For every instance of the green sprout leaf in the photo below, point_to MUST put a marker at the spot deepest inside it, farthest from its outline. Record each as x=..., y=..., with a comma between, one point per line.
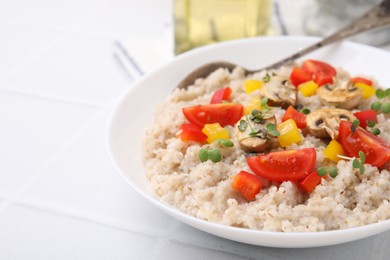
x=242, y=126
x=361, y=169
x=376, y=106
x=356, y=163
x=271, y=129
x=321, y=171
x=266, y=78
x=362, y=157
x=355, y=124
x=333, y=172
x=203, y=155
x=264, y=102
x=306, y=111
x=386, y=108
x=371, y=123
x=226, y=142
x=380, y=93
x=214, y=155
x=375, y=131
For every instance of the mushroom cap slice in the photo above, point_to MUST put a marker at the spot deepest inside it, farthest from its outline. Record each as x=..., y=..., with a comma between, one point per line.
x=342, y=95
x=280, y=92
x=251, y=143
x=324, y=122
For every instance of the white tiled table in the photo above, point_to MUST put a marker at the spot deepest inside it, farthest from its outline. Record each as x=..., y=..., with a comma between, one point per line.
x=60, y=197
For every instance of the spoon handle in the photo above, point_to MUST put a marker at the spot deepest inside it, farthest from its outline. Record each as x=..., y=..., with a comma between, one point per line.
x=377, y=17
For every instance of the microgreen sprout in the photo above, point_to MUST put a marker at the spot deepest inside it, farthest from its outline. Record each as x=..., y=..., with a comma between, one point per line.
x=383, y=105
x=357, y=163
x=266, y=78
x=210, y=154
x=257, y=117
x=332, y=171
x=264, y=102
x=264, y=106
x=355, y=125
x=226, y=142
x=371, y=123
x=375, y=131
x=302, y=109
x=271, y=130
x=243, y=125
x=305, y=111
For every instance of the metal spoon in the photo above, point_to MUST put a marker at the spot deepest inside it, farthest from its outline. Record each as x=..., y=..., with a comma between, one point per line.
x=377, y=17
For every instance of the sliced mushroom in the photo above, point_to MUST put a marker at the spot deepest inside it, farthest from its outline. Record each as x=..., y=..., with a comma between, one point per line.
x=280, y=92
x=253, y=136
x=325, y=122
x=342, y=95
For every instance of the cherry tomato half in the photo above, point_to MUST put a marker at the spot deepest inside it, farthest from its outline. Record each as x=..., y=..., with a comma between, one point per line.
x=286, y=165
x=366, y=116
x=223, y=113
x=377, y=150
x=299, y=118
x=298, y=76
x=321, y=72
x=220, y=95
x=247, y=184
x=192, y=132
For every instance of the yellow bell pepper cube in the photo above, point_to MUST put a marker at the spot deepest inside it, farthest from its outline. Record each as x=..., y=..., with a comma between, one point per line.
x=308, y=88
x=367, y=90
x=214, y=132
x=251, y=85
x=289, y=133
x=254, y=103
x=333, y=149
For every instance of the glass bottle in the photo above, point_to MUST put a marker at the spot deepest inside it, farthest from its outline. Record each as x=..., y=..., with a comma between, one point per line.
x=201, y=22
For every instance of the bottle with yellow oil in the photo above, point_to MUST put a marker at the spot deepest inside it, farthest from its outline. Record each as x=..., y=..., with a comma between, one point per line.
x=201, y=22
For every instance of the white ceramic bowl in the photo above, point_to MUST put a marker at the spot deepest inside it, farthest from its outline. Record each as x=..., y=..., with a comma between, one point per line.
x=134, y=112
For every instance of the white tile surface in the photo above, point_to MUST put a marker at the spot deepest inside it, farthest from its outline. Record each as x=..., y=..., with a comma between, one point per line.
x=30, y=234
x=46, y=12
x=21, y=43
x=79, y=67
x=114, y=20
x=361, y=249
x=32, y=129
x=82, y=181
x=178, y=250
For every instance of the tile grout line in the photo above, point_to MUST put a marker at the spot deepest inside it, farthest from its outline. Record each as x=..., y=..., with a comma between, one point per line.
x=162, y=239
x=51, y=43
x=14, y=196
x=42, y=95
x=85, y=216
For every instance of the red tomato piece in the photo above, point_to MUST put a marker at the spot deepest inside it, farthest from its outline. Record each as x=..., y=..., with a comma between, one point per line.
x=310, y=182
x=223, y=113
x=361, y=80
x=299, y=76
x=366, y=116
x=286, y=165
x=192, y=132
x=377, y=150
x=220, y=95
x=322, y=72
x=299, y=118
x=247, y=184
